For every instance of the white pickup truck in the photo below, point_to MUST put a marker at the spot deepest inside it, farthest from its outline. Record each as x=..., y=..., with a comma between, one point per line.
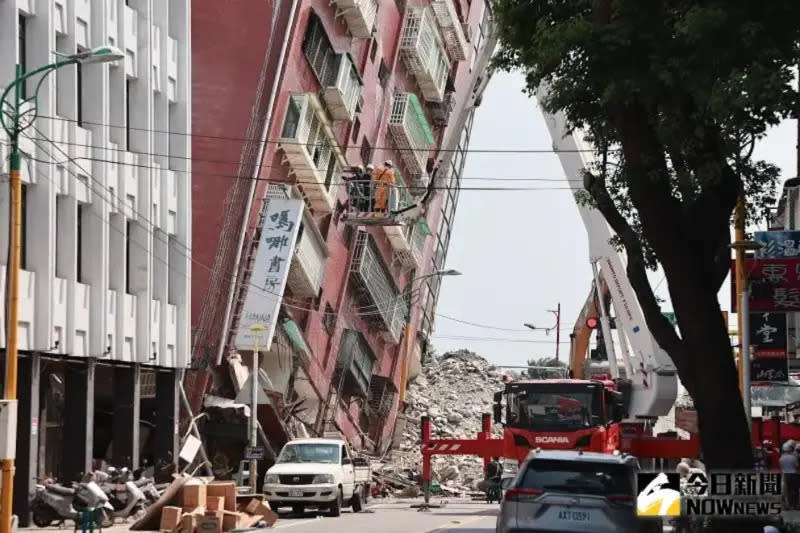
x=321, y=473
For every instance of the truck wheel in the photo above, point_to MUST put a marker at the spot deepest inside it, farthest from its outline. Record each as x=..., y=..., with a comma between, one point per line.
x=298, y=509
x=336, y=507
x=356, y=501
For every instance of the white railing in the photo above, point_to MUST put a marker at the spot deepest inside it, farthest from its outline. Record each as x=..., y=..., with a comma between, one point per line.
x=424, y=54
x=342, y=88
x=360, y=16
x=309, y=258
x=410, y=131
x=453, y=33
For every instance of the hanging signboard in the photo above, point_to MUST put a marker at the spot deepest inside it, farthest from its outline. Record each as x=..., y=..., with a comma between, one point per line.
x=768, y=334
x=769, y=369
x=778, y=244
x=268, y=279
x=774, y=285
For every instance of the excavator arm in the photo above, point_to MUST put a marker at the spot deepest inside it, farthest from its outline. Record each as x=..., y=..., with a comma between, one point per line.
x=582, y=333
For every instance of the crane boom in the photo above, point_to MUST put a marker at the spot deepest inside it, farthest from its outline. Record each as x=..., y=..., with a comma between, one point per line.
x=654, y=377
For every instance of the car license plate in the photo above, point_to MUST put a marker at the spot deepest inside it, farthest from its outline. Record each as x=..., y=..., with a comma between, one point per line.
x=574, y=516
x=295, y=493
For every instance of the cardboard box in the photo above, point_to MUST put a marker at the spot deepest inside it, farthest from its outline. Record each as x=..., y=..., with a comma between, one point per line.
x=189, y=523
x=194, y=495
x=252, y=506
x=265, y=511
x=232, y=520
x=226, y=489
x=215, y=503
x=170, y=518
x=211, y=522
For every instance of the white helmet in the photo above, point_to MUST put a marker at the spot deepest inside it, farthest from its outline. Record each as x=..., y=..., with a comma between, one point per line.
x=683, y=468
x=370, y=167
x=388, y=163
x=788, y=446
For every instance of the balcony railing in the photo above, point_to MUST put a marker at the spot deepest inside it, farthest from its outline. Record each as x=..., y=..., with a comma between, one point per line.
x=360, y=16
x=355, y=363
x=375, y=289
x=397, y=234
x=308, y=263
x=424, y=54
x=453, y=33
x=382, y=393
x=342, y=88
x=310, y=148
x=410, y=130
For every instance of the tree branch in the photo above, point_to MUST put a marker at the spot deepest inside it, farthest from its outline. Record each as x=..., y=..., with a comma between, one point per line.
x=659, y=326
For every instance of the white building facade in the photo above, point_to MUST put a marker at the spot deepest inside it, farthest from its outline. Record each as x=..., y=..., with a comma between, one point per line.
x=105, y=281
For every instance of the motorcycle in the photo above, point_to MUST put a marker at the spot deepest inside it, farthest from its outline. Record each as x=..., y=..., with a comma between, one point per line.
x=125, y=496
x=494, y=491
x=53, y=502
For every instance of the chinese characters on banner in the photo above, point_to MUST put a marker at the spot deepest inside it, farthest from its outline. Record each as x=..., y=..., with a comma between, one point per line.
x=778, y=244
x=271, y=268
x=774, y=285
x=768, y=334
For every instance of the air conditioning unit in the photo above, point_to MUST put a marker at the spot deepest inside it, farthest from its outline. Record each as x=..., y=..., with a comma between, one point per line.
x=467, y=29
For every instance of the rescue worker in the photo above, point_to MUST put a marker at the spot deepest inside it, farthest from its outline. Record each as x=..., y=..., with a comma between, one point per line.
x=382, y=179
x=494, y=474
x=789, y=465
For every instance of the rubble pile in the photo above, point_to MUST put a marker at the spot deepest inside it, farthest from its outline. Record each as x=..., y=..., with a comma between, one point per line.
x=454, y=389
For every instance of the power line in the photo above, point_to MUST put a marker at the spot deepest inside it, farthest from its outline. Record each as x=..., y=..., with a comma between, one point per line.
x=493, y=339
x=293, y=182
x=229, y=162
x=282, y=141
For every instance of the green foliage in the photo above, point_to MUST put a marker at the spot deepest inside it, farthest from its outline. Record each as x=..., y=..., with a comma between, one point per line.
x=706, y=78
x=559, y=368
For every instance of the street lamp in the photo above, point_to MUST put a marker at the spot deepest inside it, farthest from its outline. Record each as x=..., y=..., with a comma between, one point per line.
x=11, y=118
x=557, y=327
x=743, y=290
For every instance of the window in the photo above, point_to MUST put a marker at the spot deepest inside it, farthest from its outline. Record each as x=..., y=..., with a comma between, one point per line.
x=23, y=56
x=318, y=50
x=373, y=50
x=329, y=319
x=128, y=257
x=383, y=74
x=80, y=242
x=356, y=129
x=292, y=120
x=23, y=237
x=127, y=114
x=366, y=152
x=584, y=477
x=79, y=93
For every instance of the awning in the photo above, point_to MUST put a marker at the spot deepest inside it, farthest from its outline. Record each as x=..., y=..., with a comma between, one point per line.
x=296, y=337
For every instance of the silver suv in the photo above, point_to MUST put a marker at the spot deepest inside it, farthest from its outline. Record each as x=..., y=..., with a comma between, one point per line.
x=573, y=492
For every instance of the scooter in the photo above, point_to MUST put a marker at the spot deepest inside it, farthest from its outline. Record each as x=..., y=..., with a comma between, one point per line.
x=56, y=503
x=125, y=496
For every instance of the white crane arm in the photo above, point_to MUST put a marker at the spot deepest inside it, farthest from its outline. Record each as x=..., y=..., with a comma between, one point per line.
x=654, y=378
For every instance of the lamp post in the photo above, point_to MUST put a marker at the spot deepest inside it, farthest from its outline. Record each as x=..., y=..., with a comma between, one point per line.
x=407, y=363
x=15, y=120
x=257, y=330
x=741, y=246
x=557, y=327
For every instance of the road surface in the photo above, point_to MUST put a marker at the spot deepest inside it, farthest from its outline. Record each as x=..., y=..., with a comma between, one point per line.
x=396, y=517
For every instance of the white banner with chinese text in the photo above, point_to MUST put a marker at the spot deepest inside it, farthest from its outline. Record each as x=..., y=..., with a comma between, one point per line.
x=271, y=268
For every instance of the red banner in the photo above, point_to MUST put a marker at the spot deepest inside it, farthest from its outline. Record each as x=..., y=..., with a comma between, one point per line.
x=774, y=284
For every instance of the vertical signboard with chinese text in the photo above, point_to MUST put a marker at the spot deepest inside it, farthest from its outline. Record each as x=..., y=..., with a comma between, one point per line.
x=768, y=337
x=774, y=285
x=267, y=282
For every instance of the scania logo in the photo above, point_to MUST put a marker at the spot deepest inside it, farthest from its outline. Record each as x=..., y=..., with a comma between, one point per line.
x=552, y=440
x=296, y=478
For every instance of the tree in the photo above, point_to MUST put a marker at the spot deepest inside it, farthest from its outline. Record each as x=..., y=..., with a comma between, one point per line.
x=558, y=368
x=673, y=94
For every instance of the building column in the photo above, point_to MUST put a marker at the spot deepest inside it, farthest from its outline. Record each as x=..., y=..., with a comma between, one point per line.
x=125, y=420
x=27, y=437
x=76, y=458
x=166, y=431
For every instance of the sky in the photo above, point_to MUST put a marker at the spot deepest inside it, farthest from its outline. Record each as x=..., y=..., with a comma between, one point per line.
x=522, y=253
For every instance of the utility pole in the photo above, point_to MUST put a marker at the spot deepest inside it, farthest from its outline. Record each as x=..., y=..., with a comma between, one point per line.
x=558, y=329
x=257, y=330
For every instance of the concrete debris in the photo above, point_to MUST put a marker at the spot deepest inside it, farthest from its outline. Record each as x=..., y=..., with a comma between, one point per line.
x=454, y=389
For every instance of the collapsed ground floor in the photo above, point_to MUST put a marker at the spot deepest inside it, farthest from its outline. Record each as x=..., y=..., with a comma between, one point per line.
x=79, y=414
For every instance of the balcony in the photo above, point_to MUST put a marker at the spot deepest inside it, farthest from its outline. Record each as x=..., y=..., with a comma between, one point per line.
x=359, y=15
x=453, y=33
x=382, y=393
x=342, y=88
x=410, y=131
x=424, y=54
x=309, y=147
x=354, y=364
x=397, y=234
x=374, y=286
x=308, y=263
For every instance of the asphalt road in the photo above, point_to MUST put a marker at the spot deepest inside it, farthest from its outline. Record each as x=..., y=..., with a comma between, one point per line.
x=397, y=517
